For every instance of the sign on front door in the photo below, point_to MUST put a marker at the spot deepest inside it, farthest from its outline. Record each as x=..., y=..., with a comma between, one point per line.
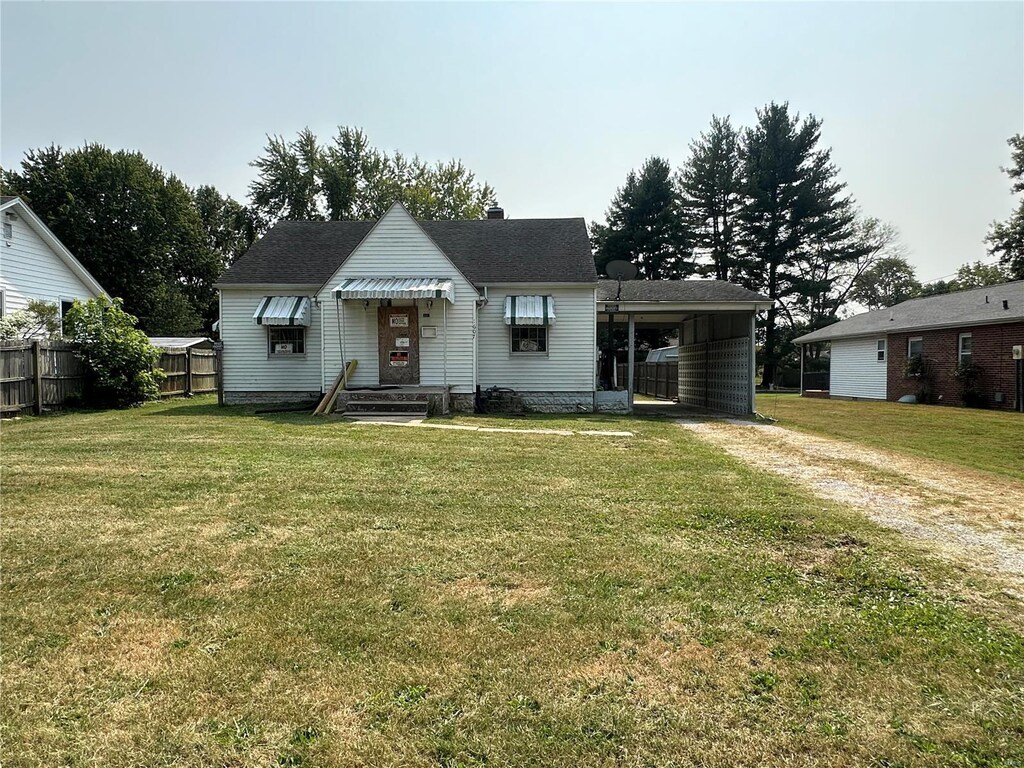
x=398, y=345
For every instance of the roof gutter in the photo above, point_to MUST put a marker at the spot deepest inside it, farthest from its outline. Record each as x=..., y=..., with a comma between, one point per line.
x=266, y=286
x=910, y=329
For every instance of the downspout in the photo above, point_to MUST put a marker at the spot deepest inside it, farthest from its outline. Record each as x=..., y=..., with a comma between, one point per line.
x=444, y=324
x=323, y=364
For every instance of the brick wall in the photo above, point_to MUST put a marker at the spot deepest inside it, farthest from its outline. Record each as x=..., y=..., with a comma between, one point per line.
x=992, y=346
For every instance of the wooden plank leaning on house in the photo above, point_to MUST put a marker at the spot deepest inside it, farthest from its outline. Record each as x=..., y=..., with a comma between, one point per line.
x=326, y=404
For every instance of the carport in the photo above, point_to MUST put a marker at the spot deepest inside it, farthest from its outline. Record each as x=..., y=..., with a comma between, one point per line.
x=715, y=323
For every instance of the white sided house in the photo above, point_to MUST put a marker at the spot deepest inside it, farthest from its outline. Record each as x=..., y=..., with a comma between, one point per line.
x=449, y=309
x=34, y=264
x=441, y=305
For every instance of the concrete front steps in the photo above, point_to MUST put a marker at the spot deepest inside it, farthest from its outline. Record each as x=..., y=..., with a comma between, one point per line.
x=404, y=401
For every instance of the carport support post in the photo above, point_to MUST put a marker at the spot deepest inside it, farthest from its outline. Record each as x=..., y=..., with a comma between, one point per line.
x=801, y=369
x=753, y=363
x=632, y=356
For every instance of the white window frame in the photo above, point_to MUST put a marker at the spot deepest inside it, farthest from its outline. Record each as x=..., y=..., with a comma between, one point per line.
x=61, y=300
x=910, y=343
x=881, y=350
x=960, y=354
x=522, y=353
x=270, y=341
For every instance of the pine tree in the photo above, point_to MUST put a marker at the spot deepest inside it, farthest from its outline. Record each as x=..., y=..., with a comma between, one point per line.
x=1006, y=239
x=793, y=211
x=645, y=226
x=710, y=187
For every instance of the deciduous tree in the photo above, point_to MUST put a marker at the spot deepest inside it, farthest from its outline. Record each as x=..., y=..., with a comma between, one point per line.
x=888, y=281
x=305, y=180
x=134, y=227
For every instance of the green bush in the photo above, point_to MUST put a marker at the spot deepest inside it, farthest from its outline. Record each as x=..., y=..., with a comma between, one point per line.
x=40, y=319
x=120, y=358
x=968, y=378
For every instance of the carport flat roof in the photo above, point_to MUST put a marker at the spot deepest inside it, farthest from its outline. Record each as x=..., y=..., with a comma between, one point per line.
x=696, y=292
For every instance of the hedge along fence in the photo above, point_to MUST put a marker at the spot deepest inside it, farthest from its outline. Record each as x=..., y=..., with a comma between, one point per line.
x=43, y=375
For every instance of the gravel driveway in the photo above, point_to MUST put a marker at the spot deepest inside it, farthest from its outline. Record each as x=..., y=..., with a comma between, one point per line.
x=967, y=516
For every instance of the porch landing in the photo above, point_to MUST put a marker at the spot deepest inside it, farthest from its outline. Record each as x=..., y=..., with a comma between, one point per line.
x=394, y=401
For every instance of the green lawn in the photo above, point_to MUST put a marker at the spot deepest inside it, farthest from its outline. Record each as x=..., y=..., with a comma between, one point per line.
x=191, y=586
x=987, y=440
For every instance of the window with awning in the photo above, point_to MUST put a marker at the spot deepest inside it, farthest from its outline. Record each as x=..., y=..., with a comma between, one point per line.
x=529, y=310
x=396, y=288
x=283, y=310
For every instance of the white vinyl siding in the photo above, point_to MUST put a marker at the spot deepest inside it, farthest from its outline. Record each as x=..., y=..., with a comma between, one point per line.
x=29, y=270
x=569, y=363
x=248, y=366
x=398, y=247
x=856, y=370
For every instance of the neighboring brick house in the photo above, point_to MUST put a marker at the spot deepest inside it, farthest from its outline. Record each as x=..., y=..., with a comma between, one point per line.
x=870, y=352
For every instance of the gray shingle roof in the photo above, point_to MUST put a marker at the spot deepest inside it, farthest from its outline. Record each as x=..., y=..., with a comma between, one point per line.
x=485, y=251
x=675, y=290
x=6, y=198
x=977, y=306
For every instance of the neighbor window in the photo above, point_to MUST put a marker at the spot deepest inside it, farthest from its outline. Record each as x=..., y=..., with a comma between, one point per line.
x=528, y=338
x=965, y=348
x=915, y=346
x=286, y=340
x=881, y=350
x=65, y=307
x=3, y=303
x=8, y=230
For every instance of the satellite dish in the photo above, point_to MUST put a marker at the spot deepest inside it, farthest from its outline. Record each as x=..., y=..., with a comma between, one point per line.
x=620, y=269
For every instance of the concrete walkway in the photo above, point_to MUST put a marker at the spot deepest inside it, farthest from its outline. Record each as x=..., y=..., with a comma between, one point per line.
x=415, y=421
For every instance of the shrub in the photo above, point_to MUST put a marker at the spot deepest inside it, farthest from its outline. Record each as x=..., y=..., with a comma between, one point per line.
x=120, y=358
x=968, y=377
x=920, y=368
x=40, y=319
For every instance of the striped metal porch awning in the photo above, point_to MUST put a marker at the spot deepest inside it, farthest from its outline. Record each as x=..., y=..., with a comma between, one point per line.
x=529, y=310
x=396, y=288
x=283, y=310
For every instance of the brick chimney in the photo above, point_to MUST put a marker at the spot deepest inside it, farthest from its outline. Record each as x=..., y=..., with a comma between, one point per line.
x=495, y=212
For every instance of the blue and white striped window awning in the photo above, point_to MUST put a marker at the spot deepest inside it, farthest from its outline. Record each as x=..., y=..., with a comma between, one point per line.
x=283, y=310
x=396, y=288
x=529, y=310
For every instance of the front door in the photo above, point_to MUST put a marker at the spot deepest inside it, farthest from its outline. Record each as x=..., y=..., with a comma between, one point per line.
x=398, y=345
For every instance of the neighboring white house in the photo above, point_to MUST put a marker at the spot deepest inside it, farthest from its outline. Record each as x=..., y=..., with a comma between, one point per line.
x=34, y=264
x=459, y=307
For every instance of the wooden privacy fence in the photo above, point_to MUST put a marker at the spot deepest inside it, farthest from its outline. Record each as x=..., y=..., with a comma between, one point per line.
x=189, y=371
x=659, y=380
x=40, y=375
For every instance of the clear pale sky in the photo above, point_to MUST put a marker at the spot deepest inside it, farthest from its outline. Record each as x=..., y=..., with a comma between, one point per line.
x=551, y=103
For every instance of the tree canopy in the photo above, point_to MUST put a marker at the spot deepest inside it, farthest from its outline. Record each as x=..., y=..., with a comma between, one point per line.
x=160, y=246
x=309, y=180
x=134, y=227
x=1006, y=239
x=710, y=187
x=645, y=225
